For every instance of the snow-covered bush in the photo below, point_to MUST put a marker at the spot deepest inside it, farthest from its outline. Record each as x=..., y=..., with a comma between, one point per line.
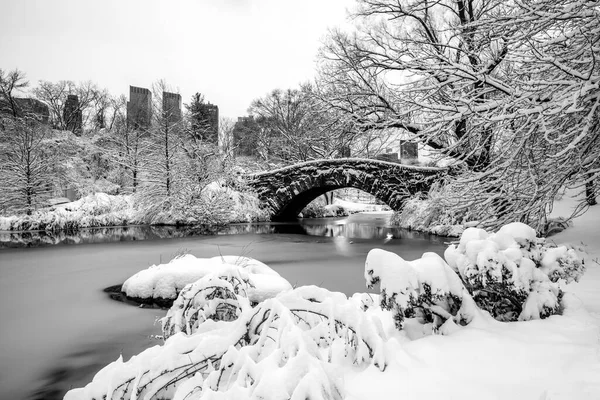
x=213, y=204
x=426, y=289
x=431, y=213
x=219, y=296
x=512, y=273
x=290, y=346
x=243, y=202
x=318, y=210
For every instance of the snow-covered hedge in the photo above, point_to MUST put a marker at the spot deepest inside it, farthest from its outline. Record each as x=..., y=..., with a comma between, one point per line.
x=512, y=273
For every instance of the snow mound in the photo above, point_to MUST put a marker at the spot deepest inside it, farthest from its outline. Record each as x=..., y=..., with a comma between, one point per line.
x=165, y=281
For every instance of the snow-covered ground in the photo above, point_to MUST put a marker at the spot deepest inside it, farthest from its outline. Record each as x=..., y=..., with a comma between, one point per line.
x=359, y=207
x=348, y=348
x=584, y=231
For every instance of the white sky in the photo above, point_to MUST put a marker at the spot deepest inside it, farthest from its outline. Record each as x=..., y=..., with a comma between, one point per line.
x=232, y=51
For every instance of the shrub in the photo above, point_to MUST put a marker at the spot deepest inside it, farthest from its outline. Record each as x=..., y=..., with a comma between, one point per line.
x=513, y=274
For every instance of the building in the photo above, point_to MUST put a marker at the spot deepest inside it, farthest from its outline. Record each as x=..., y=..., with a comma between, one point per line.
x=210, y=116
x=409, y=150
x=406, y=152
x=72, y=114
x=244, y=136
x=139, y=108
x=171, y=106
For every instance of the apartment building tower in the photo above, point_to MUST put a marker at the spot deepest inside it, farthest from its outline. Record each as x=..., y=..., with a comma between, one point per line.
x=139, y=108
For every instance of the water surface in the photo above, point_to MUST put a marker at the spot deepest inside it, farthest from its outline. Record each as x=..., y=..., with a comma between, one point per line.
x=58, y=327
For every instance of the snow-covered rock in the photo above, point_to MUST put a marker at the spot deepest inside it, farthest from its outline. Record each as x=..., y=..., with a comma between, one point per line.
x=165, y=281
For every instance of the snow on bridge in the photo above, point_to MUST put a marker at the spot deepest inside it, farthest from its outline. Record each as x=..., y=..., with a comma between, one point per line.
x=286, y=191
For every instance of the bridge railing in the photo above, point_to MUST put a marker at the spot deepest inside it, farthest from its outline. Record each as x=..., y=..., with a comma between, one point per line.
x=333, y=161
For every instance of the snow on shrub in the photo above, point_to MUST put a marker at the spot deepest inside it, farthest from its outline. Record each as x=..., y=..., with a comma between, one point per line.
x=165, y=281
x=513, y=274
x=220, y=296
x=426, y=289
x=243, y=205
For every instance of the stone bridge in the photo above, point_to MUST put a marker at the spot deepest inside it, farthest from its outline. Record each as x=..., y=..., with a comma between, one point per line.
x=286, y=191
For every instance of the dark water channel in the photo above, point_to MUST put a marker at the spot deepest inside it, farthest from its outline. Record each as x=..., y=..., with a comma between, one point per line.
x=58, y=327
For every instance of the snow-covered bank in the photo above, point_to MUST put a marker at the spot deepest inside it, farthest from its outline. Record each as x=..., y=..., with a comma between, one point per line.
x=95, y=210
x=215, y=205
x=423, y=337
x=339, y=208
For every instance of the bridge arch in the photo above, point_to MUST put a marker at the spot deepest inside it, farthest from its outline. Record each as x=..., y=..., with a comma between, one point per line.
x=286, y=191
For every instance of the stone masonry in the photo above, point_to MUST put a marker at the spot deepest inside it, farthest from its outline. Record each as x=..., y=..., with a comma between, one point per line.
x=288, y=190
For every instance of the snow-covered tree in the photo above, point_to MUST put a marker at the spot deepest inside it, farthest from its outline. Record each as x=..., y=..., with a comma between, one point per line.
x=25, y=165
x=293, y=126
x=55, y=95
x=510, y=89
x=162, y=177
x=128, y=146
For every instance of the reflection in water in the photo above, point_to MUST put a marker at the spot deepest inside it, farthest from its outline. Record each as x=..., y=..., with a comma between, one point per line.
x=367, y=226
x=99, y=235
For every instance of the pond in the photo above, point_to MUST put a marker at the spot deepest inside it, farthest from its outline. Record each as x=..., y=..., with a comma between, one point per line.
x=58, y=327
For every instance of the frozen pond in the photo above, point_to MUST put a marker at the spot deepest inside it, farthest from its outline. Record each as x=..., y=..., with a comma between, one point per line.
x=58, y=327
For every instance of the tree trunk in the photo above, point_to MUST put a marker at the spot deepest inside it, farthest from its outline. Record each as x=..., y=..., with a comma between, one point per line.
x=590, y=195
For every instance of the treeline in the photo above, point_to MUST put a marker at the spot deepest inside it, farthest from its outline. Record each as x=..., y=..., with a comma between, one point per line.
x=95, y=147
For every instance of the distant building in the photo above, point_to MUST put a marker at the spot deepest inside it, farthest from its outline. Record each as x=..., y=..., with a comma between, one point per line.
x=139, y=108
x=72, y=115
x=171, y=104
x=210, y=116
x=344, y=151
x=409, y=150
x=244, y=136
x=391, y=157
x=26, y=107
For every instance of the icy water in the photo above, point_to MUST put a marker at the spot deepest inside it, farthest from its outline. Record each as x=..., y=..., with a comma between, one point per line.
x=58, y=327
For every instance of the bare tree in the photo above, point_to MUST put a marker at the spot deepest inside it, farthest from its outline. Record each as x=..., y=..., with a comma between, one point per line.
x=25, y=168
x=10, y=83
x=162, y=175
x=129, y=144
x=292, y=126
x=55, y=95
